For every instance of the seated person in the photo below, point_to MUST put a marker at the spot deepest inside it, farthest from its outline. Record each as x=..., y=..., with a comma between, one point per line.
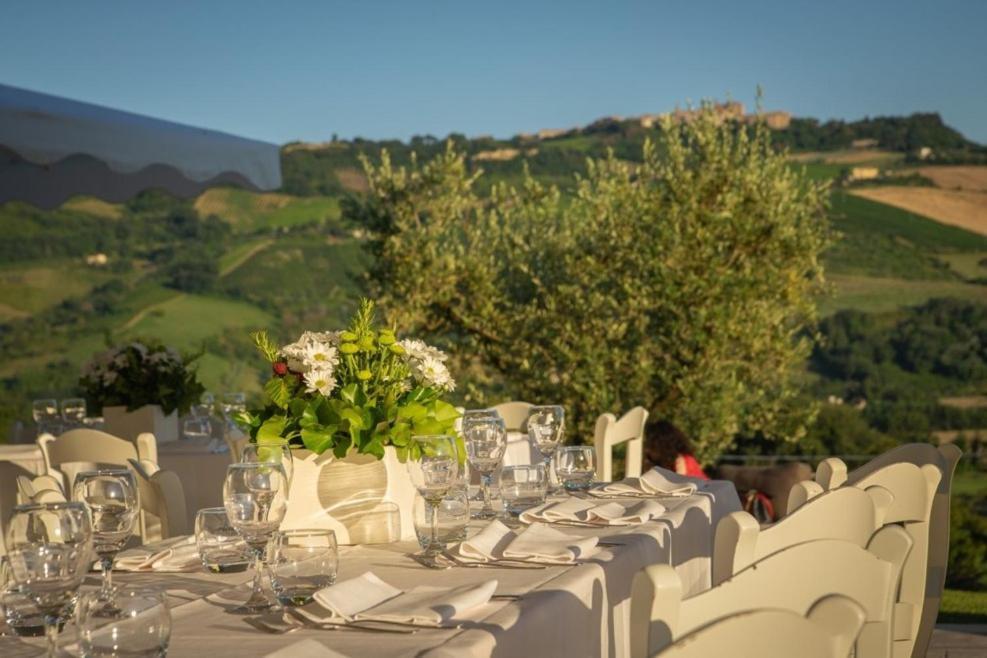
x=667, y=446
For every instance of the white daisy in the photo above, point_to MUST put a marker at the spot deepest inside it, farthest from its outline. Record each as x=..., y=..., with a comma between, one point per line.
x=320, y=356
x=320, y=381
x=432, y=372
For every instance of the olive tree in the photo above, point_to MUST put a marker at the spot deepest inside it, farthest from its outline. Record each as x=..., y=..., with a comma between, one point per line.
x=685, y=283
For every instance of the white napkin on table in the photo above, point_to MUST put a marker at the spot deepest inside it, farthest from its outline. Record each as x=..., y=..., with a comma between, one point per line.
x=305, y=649
x=536, y=543
x=656, y=482
x=577, y=510
x=174, y=555
x=369, y=598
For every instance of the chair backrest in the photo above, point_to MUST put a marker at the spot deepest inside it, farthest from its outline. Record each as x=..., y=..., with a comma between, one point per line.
x=925, y=574
x=792, y=579
x=515, y=415
x=10, y=473
x=610, y=432
x=162, y=496
x=827, y=631
x=848, y=514
x=87, y=445
x=39, y=489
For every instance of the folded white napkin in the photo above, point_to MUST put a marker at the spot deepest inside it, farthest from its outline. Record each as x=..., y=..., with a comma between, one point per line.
x=536, y=543
x=656, y=482
x=587, y=512
x=173, y=555
x=367, y=597
x=305, y=649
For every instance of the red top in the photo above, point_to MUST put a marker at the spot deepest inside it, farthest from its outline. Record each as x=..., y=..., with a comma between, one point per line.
x=687, y=465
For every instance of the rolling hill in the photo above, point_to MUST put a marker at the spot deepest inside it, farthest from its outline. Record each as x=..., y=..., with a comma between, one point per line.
x=287, y=261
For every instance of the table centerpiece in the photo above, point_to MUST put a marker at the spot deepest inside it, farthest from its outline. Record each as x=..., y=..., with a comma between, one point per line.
x=141, y=387
x=347, y=403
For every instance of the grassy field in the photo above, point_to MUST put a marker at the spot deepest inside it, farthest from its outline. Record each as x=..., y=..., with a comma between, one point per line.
x=186, y=320
x=250, y=211
x=971, y=265
x=32, y=287
x=879, y=294
x=962, y=607
x=961, y=208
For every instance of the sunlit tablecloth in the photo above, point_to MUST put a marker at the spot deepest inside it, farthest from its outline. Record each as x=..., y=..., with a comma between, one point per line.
x=565, y=611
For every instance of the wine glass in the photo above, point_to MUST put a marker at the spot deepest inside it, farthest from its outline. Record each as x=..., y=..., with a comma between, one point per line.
x=486, y=441
x=303, y=562
x=546, y=428
x=112, y=499
x=255, y=497
x=49, y=546
x=273, y=453
x=575, y=466
x=45, y=414
x=522, y=487
x=74, y=411
x=141, y=625
x=468, y=417
x=203, y=408
x=433, y=474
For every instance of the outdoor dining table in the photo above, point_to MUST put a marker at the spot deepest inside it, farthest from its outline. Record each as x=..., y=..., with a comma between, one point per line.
x=569, y=610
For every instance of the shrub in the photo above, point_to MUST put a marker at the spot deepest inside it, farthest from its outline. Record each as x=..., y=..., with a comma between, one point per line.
x=684, y=283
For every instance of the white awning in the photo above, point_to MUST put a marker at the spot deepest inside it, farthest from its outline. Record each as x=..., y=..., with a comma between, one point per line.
x=52, y=148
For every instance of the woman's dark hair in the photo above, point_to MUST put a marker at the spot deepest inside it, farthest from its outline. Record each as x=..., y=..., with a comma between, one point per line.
x=663, y=442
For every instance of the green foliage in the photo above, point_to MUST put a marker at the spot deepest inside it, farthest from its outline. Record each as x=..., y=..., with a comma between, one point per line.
x=894, y=133
x=141, y=373
x=359, y=389
x=684, y=283
x=967, y=544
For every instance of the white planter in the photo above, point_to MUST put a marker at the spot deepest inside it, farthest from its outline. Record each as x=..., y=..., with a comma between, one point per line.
x=362, y=499
x=149, y=418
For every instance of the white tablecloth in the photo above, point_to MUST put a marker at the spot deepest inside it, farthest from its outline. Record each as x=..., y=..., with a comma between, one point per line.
x=565, y=611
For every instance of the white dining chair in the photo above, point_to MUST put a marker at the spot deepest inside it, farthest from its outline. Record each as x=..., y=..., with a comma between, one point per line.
x=848, y=514
x=82, y=449
x=792, y=579
x=826, y=631
x=515, y=414
x=923, y=578
x=162, y=498
x=39, y=489
x=611, y=431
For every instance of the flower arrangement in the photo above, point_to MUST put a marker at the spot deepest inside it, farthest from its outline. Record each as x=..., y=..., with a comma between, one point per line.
x=360, y=389
x=141, y=373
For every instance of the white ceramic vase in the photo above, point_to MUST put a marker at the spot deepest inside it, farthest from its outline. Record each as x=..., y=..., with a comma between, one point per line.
x=149, y=418
x=362, y=499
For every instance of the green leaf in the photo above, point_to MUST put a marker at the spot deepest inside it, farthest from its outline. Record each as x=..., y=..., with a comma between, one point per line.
x=444, y=412
x=271, y=430
x=349, y=393
x=278, y=391
x=341, y=447
x=318, y=441
x=413, y=412
x=265, y=345
x=374, y=447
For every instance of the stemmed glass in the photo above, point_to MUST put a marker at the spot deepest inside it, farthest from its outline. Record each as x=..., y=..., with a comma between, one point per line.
x=546, y=428
x=433, y=474
x=74, y=412
x=45, y=414
x=49, y=546
x=112, y=499
x=486, y=441
x=272, y=453
x=255, y=495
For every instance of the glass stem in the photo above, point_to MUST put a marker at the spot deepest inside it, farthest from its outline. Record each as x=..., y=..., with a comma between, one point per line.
x=434, y=520
x=258, y=585
x=106, y=565
x=485, y=479
x=51, y=636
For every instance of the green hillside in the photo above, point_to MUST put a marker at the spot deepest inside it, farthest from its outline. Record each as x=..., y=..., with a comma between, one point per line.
x=201, y=274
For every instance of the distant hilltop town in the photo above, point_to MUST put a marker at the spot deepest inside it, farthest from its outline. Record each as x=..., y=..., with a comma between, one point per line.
x=728, y=111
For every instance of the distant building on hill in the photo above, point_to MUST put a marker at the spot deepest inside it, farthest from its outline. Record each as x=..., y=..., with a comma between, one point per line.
x=97, y=260
x=863, y=173
x=549, y=133
x=868, y=143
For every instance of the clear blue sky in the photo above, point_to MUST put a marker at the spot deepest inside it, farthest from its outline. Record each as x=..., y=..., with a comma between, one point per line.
x=281, y=70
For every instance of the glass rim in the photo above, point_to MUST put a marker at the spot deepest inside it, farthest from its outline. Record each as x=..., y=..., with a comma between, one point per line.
x=117, y=470
x=540, y=407
x=522, y=467
x=210, y=510
x=306, y=532
x=432, y=437
x=575, y=448
x=50, y=507
x=244, y=465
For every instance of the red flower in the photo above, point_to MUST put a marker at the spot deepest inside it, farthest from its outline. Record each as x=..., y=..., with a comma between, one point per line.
x=280, y=368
